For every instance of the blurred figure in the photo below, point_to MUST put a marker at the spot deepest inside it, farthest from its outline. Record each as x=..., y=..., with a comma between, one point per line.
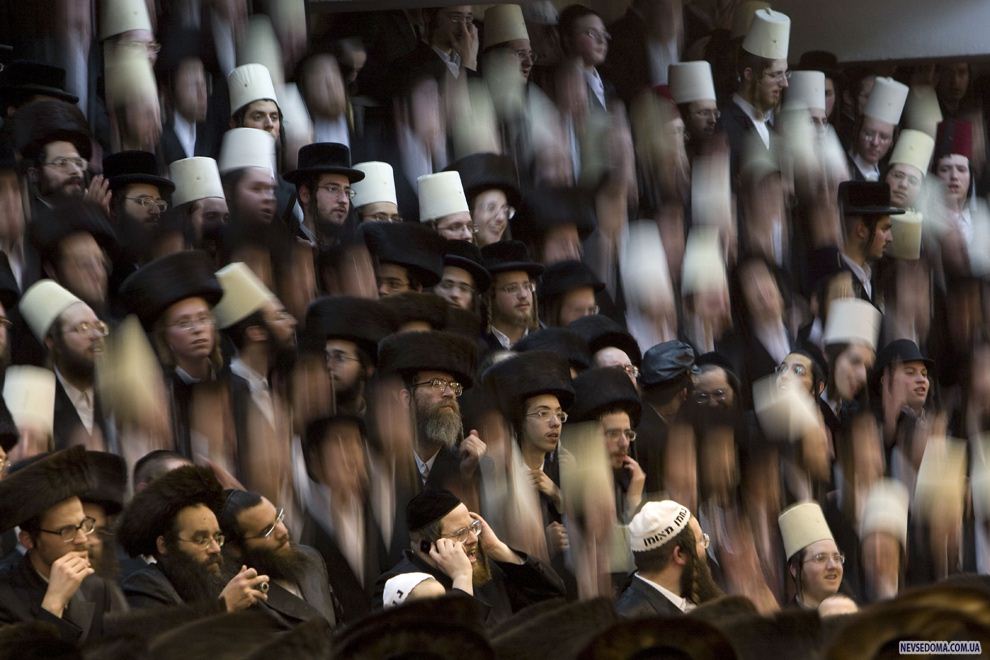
x=875, y=129
x=585, y=42
x=505, y=28
x=567, y=292
x=465, y=279
x=490, y=184
x=884, y=534
x=866, y=211
x=185, y=133
x=102, y=503
x=693, y=90
x=247, y=170
x=199, y=200
x=326, y=99
x=953, y=86
x=647, y=39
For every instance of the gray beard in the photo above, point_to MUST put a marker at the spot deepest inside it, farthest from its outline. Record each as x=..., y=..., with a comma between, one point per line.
x=443, y=427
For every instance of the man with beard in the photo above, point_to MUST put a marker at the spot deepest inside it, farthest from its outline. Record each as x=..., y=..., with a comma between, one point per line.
x=73, y=335
x=257, y=536
x=200, y=201
x=511, y=300
x=323, y=180
x=672, y=575
x=247, y=170
x=460, y=550
x=693, y=90
x=173, y=522
x=102, y=503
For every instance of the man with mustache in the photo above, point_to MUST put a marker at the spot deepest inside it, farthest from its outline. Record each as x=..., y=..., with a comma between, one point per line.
x=323, y=182
x=672, y=575
x=510, y=302
x=257, y=536
x=173, y=521
x=460, y=550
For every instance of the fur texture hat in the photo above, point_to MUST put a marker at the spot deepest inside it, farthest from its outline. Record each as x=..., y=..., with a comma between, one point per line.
x=34, y=489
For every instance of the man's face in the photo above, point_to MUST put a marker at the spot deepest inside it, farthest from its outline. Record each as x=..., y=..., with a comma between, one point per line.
x=523, y=49
x=953, y=170
x=954, y=81
x=141, y=203
x=910, y=383
x=905, y=184
x=610, y=356
x=195, y=529
x=771, y=85
x=189, y=329
x=451, y=25
x=796, y=371
x=829, y=97
x=80, y=339
x=882, y=237
x=515, y=305
x=343, y=364
x=94, y=542
x=590, y=40
x=392, y=278
x=760, y=292
x=437, y=409
x=577, y=303
x=874, y=140
x=208, y=215
x=62, y=172
x=380, y=212
x=711, y=388
x=190, y=90
x=255, y=521
x=851, y=368
x=263, y=115
x=333, y=200
x=701, y=119
x=343, y=465
x=281, y=324
x=457, y=524
x=254, y=196
x=561, y=244
x=542, y=434
x=491, y=214
x=617, y=428
x=456, y=287
x=82, y=268
x=11, y=206
x=820, y=579
x=456, y=226
x=50, y=547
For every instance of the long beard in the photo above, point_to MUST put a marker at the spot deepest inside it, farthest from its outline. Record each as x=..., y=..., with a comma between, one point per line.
x=193, y=581
x=78, y=368
x=286, y=565
x=481, y=572
x=443, y=426
x=697, y=583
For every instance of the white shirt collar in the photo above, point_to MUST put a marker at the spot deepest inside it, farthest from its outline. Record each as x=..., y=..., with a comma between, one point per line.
x=869, y=172
x=680, y=602
x=863, y=274
x=185, y=131
x=453, y=60
x=759, y=121
x=254, y=379
x=82, y=401
x=424, y=467
x=503, y=338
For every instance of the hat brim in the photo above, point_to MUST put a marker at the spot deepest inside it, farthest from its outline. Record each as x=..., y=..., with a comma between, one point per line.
x=44, y=90
x=872, y=210
x=122, y=180
x=297, y=176
x=532, y=268
x=482, y=278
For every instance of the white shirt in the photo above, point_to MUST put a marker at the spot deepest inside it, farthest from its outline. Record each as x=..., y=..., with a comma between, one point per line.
x=869, y=172
x=759, y=121
x=185, y=131
x=863, y=274
x=662, y=55
x=503, y=338
x=424, y=467
x=680, y=602
x=774, y=338
x=261, y=393
x=82, y=401
x=595, y=84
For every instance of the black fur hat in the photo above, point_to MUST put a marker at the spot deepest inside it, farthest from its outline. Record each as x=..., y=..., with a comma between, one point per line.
x=413, y=306
x=150, y=291
x=32, y=490
x=604, y=388
x=110, y=476
x=527, y=375
x=360, y=320
x=409, y=352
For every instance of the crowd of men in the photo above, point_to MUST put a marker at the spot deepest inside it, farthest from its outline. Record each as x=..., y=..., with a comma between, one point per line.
x=520, y=331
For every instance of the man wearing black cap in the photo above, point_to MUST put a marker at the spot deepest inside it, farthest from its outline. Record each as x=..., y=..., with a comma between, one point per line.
x=465, y=279
x=866, y=212
x=460, y=550
x=665, y=379
x=609, y=343
x=567, y=292
x=408, y=257
x=139, y=192
x=902, y=377
x=26, y=80
x=323, y=181
x=511, y=301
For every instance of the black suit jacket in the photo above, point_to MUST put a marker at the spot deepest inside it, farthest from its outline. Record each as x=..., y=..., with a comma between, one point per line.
x=170, y=149
x=738, y=129
x=628, y=61
x=651, y=442
x=69, y=427
x=642, y=600
x=22, y=590
x=316, y=600
x=149, y=587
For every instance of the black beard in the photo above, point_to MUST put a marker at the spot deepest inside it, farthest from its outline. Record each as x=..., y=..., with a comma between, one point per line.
x=193, y=581
x=442, y=427
x=288, y=565
x=77, y=368
x=706, y=587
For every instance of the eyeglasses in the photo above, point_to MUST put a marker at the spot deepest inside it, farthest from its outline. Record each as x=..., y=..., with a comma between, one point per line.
x=631, y=370
x=517, y=288
x=616, y=434
x=150, y=203
x=597, y=35
x=457, y=228
x=715, y=395
x=544, y=414
x=705, y=540
x=798, y=370
x=491, y=208
x=824, y=557
x=66, y=163
x=203, y=541
x=912, y=180
x=381, y=217
x=440, y=385
x=188, y=325
x=525, y=55
x=459, y=19
x=465, y=533
x=777, y=76
x=707, y=114
x=451, y=285
x=268, y=531
x=392, y=283
x=337, y=190
x=340, y=357
x=98, y=328
x=877, y=136
x=68, y=533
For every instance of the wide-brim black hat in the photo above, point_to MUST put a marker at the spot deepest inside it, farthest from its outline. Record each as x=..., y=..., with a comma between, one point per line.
x=360, y=320
x=152, y=511
x=35, y=488
x=564, y=276
x=602, y=389
x=407, y=244
x=110, y=476
x=323, y=158
x=155, y=287
x=41, y=122
x=410, y=352
x=28, y=77
x=866, y=198
x=599, y=331
x=413, y=306
x=488, y=171
x=566, y=343
x=310, y=640
x=126, y=167
x=224, y=635
x=462, y=254
x=527, y=375
x=66, y=219
x=544, y=209
x=898, y=351
x=508, y=256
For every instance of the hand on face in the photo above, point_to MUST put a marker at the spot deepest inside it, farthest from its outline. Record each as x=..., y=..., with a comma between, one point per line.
x=66, y=576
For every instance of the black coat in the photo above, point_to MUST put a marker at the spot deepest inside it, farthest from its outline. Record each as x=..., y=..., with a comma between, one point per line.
x=68, y=428
x=651, y=443
x=170, y=149
x=22, y=590
x=642, y=600
x=150, y=587
x=738, y=128
x=316, y=600
x=511, y=588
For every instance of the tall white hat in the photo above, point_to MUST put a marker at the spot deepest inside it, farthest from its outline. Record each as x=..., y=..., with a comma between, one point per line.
x=261, y=46
x=801, y=525
x=691, y=81
x=886, y=510
x=378, y=184
x=247, y=147
x=886, y=101
x=194, y=178
x=852, y=320
x=243, y=294
x=503, y=23
x=248, y=83
x=806, y=89
x=42, y=304
x=769, y=35
x=119, y=16
x=441, y=194
x=913, y=148
x=906, y=229
x=29, y=393
x=703, y=268
x=656, y=524
x=922, y=112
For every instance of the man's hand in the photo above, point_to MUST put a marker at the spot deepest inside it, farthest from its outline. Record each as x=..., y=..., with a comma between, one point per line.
x=472, y=449
x=449, y=556
x=492, y=547
x=637, y=482
x=99, y=192
x=557, y=541
x=68, y=572
x=466, y=45
x=244, y=590
x=547, y=487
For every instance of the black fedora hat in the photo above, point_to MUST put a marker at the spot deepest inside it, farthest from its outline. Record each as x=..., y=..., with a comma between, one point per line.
x=507, y=256
x=29, y=78
x=562, y=341
x=462, y=254
x=564, y=276
x=487, y=171
x=125, y=167
x=156, y=286
x=39, y=123
x=323, y=158
x=527, y=375
x=866, y=198
x=602, y=389
x=414, y=246
x=900, y=350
